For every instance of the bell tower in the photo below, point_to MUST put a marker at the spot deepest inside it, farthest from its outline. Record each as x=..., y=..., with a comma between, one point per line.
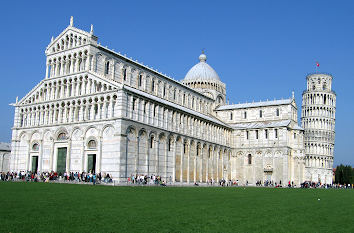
x=318, y=120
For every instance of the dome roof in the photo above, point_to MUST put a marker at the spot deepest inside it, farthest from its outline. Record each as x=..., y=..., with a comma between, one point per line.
x=201, y=71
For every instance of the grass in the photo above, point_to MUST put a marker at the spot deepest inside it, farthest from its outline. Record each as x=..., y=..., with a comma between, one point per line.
x=39, y=207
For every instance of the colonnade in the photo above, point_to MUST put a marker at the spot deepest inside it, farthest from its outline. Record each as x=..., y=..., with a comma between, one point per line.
x=68, y=87
x=319, y=162
x=69, y=41
x=318, y=112
x=159, y=115
x=318, y=123
x=89, y=108
x=68, y=63
x=319, y=149
x=175, y=157
x=218, y=86
x=319, y=98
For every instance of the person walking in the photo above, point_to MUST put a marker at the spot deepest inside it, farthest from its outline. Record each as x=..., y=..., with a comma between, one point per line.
x=94, y=179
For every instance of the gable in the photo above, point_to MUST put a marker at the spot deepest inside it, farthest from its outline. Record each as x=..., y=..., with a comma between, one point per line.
x=68, y=87
x=70, y=38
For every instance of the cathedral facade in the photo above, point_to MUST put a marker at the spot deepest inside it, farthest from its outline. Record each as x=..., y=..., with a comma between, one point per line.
x=97, y=110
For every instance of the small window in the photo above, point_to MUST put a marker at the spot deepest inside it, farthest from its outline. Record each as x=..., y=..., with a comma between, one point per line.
x=266, y=133
x=134, y=102
x=152, y=142
x=231, y=116
x=152, y=86
x=247, y=135
x=249, y=159
x=92, y=144
x=35, y=147
x=276, y=133
x=140, y=80
x=107, y=68
x=277, y=112
x=245, y=115
x=62, y=136
x=260, y=113
x=174, y=95
x=256, y=134
x=124, y=74
x=294, y=135
x=313, y=87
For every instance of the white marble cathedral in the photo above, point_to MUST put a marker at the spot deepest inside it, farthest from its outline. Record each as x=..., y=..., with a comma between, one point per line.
x=97, y=110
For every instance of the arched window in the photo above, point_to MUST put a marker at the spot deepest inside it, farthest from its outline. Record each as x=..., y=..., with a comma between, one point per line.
x=107, y=68
x=324, y=86
x=62, y=136
x=249, y=159
x=92, y=144
x=153, y=86
x=152, y=141
x=35, y=147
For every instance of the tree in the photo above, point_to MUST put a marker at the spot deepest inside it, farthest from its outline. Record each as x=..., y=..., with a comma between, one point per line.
x=344, y=174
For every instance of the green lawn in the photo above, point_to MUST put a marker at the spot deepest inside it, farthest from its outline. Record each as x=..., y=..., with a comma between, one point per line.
x=39, y=207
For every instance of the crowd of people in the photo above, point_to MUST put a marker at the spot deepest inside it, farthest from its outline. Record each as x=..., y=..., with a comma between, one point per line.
x=91, y=177
x=145, y=179
x=308, y=184
x=83, y=177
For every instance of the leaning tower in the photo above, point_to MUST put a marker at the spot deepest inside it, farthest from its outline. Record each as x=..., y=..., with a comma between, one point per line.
x=318, y=121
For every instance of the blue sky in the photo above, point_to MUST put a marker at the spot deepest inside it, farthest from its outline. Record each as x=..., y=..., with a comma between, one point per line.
x=260, y=49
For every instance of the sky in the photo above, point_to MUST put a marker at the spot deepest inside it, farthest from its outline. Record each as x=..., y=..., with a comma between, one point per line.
x=260, y=49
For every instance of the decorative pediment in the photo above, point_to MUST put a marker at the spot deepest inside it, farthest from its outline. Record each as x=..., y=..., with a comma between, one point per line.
x=70, y=38
x=67, y=87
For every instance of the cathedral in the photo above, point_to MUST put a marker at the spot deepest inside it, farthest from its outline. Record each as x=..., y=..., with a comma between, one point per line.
x=97, y=110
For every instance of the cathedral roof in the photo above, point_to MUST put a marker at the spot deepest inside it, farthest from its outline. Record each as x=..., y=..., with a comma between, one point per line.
x=255, y=104
x=5, y=146
x=261, y=125
x=201, y=71
x=177, y=106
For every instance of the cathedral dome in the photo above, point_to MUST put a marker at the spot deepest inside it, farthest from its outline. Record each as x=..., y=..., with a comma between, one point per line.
x=201, y=71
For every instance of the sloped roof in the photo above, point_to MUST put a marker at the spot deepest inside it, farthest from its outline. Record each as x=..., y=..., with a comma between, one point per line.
x=184, y=109
x=255, y=104
x=5, y=146
x=261, y=125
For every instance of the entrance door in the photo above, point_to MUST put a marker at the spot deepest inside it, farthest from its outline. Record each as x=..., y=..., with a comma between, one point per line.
x=91, y=163
x=61, y=163
x=34, y=164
